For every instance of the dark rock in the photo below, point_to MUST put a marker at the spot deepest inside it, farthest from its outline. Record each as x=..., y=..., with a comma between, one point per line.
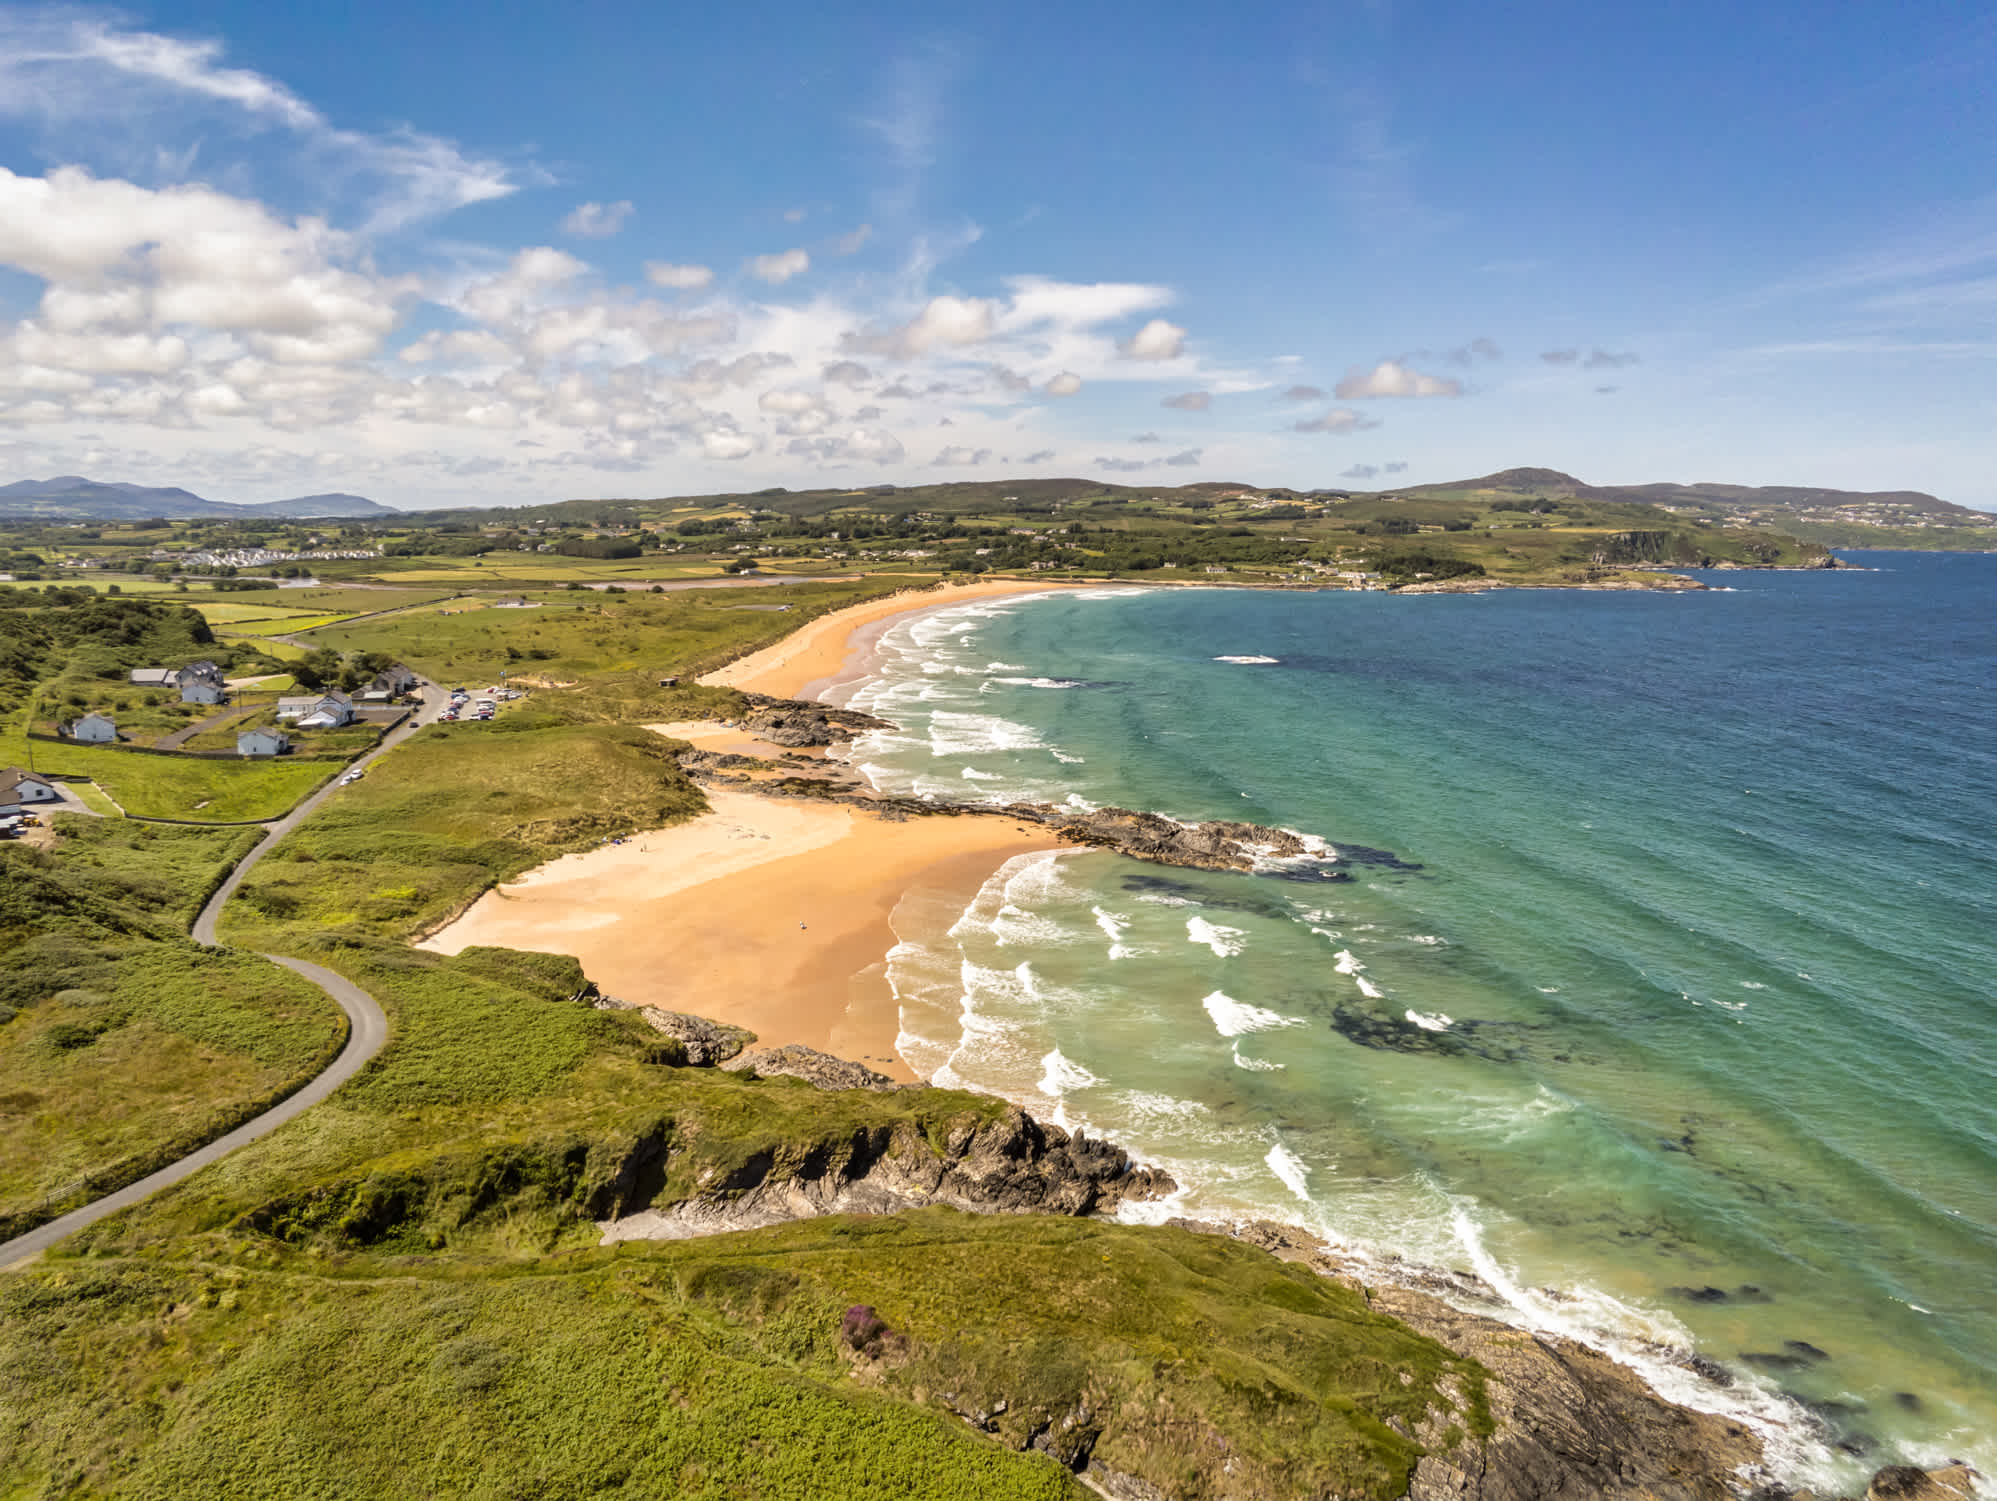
x=1710, y=1368
x=1770, y=1360
x=1954, y=1482
x=1804, y=1349
x=790, y=722
x=820, y=1070
x=1700, y=1294
x=1747, y=1292
x=1907, y=1401
x=1009, y=1165
x=704, y=1042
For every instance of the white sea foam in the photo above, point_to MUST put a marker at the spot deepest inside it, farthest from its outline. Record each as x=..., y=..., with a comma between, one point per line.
x=1079, y=803
x=1425, y=938
x=1254, y=1065
x=1225, y=942
x=1248, y=661
x=1114, y=926
x=1232, y=1018
x=953, y=734
x=1430, y=1021
x=972, y=774
x=1366, y=987
x=1289, y=1167
x=1064, y=756
x=1165, y=901
x=1347, y=963
x=1752, y=985
x=1041, y=682
x=1643, y=1339
x=1059, y=1074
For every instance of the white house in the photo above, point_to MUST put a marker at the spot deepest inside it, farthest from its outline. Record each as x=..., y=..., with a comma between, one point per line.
x=317, y=711
x=153, y=677
x=19, y=788
x=95, y=729
x=202, y=689
x=262, y=743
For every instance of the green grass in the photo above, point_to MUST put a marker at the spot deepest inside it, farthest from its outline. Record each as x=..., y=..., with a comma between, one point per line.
x=168, y=786
x=613, y=647
x=715, y=1369
x=448, y=814
x=127, y=1045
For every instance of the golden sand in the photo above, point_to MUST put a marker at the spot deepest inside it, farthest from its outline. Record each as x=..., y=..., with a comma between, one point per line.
x=768, y=913
x=824, y=648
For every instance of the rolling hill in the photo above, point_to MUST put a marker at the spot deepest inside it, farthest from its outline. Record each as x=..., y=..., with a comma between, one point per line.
x=71, y=497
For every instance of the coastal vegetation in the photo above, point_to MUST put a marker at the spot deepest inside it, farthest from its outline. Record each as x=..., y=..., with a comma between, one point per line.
x=123, y=1045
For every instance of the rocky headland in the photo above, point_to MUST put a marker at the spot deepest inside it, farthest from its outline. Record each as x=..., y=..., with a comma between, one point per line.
x=1557, y=1418
x=796, y=726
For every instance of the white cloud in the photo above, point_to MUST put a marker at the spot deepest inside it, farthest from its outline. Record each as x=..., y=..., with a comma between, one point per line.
x=1157, y=340
x=1036, y=301
x=951, y=322
x=1304, y=393
x=960, y=458
x=849, y=244
x=597, y=221
x=1189, y=401
x=1337, y=420
x=86, y=79
x=678, y=278
x=1391, y=378
x=845, y=373
x=1067, y=383
x=794, y=215
x=1038, y=456
x=780, y=268
x=725, y=444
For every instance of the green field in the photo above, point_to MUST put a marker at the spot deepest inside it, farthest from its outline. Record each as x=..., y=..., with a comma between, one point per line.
x=124, y=1045
x=168, y=786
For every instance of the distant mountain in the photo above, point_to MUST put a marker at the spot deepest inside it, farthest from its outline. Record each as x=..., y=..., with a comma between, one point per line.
x=71, y=497
x=335, y=504
x=1553, y=484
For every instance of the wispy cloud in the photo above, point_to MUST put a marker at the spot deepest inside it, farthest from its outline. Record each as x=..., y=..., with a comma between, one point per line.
x=596, y=221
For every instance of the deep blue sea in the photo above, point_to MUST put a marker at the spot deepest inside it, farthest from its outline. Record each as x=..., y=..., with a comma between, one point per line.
x=1661, y=991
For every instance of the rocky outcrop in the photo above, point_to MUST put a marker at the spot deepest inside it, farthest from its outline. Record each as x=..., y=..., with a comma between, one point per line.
x=792, y=722
x=821, y=1070
x=702, y=1043
x=1954, y=1482
x=1569, y=1420
x=1208, y=846
x=1009, y=1165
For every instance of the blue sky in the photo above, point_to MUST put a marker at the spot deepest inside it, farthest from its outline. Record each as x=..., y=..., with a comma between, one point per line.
x=504, y=253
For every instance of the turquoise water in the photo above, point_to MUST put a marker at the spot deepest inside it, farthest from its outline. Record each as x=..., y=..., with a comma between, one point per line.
x=1661, y=988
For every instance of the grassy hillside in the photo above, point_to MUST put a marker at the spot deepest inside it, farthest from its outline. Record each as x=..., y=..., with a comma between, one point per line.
x=122, y=1044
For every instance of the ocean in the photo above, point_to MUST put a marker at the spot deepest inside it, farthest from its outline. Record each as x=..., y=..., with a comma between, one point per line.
x=1658, y=989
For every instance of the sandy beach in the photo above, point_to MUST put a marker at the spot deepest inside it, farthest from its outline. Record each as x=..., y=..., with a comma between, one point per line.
x=770, y=913
x=821, y=653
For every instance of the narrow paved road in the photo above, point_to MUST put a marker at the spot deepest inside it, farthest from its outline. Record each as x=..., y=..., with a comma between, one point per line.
x=367, y=1027
x=369, y=1030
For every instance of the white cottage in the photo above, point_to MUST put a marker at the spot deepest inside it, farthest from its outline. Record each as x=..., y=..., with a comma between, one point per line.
x=317, y=711
x=95, y=729
x=20, y=788
x=262, y=743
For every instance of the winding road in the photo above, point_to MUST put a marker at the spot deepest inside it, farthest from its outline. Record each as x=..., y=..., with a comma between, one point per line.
x=367, y=1026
